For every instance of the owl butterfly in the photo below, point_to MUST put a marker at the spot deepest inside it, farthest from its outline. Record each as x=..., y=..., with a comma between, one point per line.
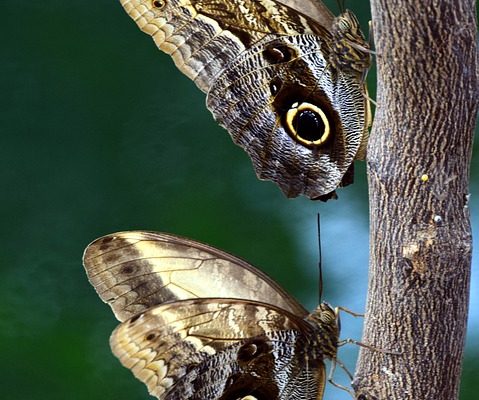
x=200, y=324
x=290, y=89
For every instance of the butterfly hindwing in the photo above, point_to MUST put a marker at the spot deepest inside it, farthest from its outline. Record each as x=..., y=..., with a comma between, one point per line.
x=271, y=90
x=210, y=349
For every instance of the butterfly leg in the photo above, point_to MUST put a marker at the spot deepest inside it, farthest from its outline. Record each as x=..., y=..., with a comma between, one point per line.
x=350, y=312
x=338, y=385
x=367, y=346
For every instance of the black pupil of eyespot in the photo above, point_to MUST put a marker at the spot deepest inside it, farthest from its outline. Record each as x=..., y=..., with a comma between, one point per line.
x=309, y=125
x=275, y=86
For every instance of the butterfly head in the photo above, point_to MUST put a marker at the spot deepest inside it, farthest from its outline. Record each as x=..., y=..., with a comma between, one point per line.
x=327, y=323
x=350, y=49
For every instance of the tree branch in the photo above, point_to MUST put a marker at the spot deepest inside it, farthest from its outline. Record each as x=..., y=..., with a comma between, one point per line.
x=418, y=171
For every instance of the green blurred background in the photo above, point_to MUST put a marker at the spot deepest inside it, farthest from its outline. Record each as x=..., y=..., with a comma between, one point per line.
x=101, y=133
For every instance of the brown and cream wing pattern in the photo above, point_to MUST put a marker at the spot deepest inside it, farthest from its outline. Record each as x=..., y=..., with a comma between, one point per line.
x=221, y=349
x=203, y=36
x=200, y=324
x=296, y=113
x=288, y=88
x=132, y=271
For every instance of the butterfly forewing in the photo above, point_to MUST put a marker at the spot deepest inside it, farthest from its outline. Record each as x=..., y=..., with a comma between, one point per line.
x=203, y=36
x=132, y=271
x=209, y=349
x=314, y=9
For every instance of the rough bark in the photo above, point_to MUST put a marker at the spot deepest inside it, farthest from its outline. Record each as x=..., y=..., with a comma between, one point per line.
x=418, y=173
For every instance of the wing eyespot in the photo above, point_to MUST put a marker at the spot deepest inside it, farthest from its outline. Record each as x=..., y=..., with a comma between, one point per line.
x=150, y=337
x=278, y=53
x=275, y=85
x=159, y=4
x=128, y=268
x=308, y=124
x=252, y=349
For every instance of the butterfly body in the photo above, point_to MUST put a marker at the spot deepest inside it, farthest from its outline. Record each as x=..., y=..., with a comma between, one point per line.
x=288, y=89
x=217, y=347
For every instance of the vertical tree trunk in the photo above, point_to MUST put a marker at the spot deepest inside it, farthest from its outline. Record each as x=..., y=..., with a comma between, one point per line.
x=418, y=170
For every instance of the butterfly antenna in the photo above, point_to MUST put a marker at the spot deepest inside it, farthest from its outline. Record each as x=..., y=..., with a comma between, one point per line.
x=341, y=5
x=320, y=261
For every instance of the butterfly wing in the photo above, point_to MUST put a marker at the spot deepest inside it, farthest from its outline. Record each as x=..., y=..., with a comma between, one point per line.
x=296, y=113
x=251, y=95
x=208, y=349
x=312, y=8
x=203, y=36
x=132, y=271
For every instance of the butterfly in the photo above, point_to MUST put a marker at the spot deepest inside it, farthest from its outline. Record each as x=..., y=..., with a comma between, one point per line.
x=289, y=88
x=200, y=324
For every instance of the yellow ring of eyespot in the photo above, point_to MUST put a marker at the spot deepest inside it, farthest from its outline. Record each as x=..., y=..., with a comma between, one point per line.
x=293, y=111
